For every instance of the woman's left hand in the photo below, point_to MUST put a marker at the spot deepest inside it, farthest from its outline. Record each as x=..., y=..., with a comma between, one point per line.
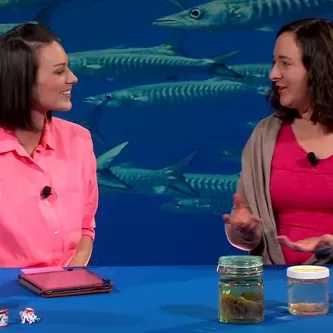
x=321, y=244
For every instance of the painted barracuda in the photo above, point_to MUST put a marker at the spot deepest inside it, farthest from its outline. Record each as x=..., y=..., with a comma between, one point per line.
x=175, y=93
x=233, y=15
x=118, y=64
x=169, y=181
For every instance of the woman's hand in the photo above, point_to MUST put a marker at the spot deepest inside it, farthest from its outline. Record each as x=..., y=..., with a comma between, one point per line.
x=242, y=219
x=321, y=244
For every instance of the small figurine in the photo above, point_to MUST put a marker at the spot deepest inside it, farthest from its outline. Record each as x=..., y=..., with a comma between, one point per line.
x=3, y=317
x=28, y=315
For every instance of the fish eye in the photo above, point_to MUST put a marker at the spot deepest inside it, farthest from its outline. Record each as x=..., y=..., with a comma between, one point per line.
x=107, y=97
x=178, y=205
x=195, y=13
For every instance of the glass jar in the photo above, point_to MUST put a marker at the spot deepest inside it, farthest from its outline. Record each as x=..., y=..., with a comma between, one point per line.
x=308, y=290
x=241, y=289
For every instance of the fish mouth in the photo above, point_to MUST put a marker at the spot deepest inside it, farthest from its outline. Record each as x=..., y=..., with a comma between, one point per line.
x=168, y=22
x=91, y=100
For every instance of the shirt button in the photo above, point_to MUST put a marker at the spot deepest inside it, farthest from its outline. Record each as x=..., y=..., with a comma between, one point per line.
x=56, y=233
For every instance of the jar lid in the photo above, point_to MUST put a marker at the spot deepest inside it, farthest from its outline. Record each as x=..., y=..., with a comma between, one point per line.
x=241, y=261
x=308, y=272
x=245, y=265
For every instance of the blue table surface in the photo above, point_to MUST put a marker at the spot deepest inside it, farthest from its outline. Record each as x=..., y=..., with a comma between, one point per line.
x=175, y=299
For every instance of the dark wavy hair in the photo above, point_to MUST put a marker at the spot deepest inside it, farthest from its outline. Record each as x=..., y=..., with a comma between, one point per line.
x=18, y=73
x=315, y=38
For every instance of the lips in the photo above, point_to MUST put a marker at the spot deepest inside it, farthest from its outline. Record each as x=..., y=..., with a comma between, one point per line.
x=281, y=88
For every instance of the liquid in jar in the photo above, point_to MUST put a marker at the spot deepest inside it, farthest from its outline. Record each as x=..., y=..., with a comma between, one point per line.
x=308, y=290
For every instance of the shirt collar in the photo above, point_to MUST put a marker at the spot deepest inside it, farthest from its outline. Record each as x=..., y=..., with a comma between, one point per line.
x=9, y=142
x=47, y=139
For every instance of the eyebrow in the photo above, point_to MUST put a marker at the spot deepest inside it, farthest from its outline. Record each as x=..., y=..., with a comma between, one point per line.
x=282, y=57
x=61, y=64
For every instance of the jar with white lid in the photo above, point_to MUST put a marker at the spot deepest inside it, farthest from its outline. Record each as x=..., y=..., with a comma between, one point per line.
x=308, y=290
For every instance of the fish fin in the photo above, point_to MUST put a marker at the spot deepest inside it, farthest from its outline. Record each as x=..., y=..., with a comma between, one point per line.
x=220, y=68
x=126, y=165
x=140, y=98
x=177, y=3
x=105, y=160
x=266, y=29
x=223, y=70
x=175, y=177
x=94, y=66
x=263, y=90
x=224, y=57
x=43, y=17
x=113, y=180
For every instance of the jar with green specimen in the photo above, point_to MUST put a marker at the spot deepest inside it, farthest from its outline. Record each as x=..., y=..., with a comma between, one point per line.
x=241, y=289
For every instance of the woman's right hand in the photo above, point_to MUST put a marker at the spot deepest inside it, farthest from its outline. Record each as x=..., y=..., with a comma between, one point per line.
x=242, y=219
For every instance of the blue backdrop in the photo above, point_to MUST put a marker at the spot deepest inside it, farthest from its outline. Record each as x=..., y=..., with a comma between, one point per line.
x=170, y=102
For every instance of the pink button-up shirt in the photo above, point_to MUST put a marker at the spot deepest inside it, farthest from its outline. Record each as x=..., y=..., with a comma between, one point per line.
x=38, y=232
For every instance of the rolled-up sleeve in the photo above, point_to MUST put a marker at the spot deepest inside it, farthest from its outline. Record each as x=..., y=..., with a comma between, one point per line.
x=91, y=193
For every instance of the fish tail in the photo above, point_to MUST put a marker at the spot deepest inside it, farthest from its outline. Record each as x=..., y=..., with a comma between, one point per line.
x=43, y=17
x=224, y=57
x=219, y=67
x=223, y=70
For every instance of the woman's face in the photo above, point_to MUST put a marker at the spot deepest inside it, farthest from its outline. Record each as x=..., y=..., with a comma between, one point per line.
x=54, y=80
x=289, y=73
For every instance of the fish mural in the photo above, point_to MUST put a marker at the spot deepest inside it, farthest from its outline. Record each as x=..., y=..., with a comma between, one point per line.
x=26, y=4
x=117, y=64
x=171, y=180
x=170, y=95
x=181, y=93
x=197, y=206
x=23, y=4
x=236, y=15
x=42, y=17
x=252, y=74
x=232, y=155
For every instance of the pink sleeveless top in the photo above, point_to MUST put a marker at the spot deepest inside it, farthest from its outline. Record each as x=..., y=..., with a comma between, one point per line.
x=302, y=195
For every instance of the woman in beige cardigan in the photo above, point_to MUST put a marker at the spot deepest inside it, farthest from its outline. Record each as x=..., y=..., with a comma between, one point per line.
x=283, y=208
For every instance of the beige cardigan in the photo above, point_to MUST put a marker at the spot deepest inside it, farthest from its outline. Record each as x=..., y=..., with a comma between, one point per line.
x=254, y=188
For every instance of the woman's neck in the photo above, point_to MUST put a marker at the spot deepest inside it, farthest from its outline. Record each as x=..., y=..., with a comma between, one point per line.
x=29, y=140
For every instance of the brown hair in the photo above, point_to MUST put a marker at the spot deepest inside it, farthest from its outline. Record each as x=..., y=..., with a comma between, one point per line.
x=18, y=73
x=315, y=37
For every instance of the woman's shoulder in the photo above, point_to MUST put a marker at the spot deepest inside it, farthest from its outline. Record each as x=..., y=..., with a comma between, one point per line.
x=265, y=132
x=266, y=127
x=267, y=122
x=68, y=128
